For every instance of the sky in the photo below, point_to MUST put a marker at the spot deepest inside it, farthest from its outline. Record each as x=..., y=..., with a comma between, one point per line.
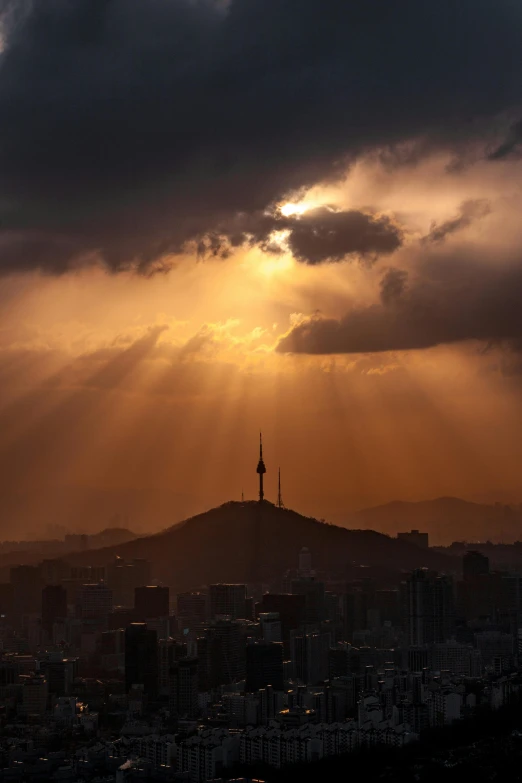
x=219, y=217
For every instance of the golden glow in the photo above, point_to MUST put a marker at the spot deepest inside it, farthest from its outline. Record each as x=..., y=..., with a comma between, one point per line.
x=297, y=209
x=104, y=410
x=274, y=265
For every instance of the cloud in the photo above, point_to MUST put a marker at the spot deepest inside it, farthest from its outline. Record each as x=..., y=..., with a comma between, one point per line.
x=450, y=300
x=129, y=129
x=470, y=211
x=317, y=236
x=510, y=147
x=324, y=235
x=393, y=284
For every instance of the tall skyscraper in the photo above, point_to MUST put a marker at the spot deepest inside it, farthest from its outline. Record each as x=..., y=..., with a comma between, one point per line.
x=94, y=602
x=428, y=607
x=224, y=652
x=54, y=570
x=356, y=607
x=27, y=588
x=227, y=600
x=305, y=562
x=184, y=687
x=60, y=673
x=264, y=666
x=124, y=577
x=151, y=601
x=192, y=609
x=54, y=607
x=169, y=652
x=291, y=610
x=314, y=598
x=35, y=692
x=309, y=653
x=6, y=601
x=112, y=650
x=270, y=623
x=141, y=658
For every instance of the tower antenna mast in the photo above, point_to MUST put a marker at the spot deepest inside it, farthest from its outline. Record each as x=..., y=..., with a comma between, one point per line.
x=279, y=496
x=261, y=470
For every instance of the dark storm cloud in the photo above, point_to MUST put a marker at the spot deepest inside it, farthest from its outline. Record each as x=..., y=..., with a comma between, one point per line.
x=393, y=284
x=450, y=300
x=128, y=128
x=324, y=235
x=510, y=147
x=319, y=235
x=469, y=212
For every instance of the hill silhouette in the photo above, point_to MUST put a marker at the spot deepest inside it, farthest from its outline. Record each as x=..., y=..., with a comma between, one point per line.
x=446, y=519
x=248, y=542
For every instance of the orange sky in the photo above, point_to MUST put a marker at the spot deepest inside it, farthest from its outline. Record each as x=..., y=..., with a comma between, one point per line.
x=144, y=396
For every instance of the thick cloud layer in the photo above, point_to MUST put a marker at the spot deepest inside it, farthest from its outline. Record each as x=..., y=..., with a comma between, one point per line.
x=128, y=128
x=450, y=300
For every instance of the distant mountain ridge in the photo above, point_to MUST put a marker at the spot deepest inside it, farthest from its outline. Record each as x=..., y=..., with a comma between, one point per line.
x=251, y=542
x=446, y=519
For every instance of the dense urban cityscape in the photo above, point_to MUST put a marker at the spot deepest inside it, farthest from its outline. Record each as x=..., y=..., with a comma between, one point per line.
x=299, y=216
x=105, y=675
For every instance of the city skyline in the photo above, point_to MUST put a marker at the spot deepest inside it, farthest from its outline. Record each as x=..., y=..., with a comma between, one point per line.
x=327, y=659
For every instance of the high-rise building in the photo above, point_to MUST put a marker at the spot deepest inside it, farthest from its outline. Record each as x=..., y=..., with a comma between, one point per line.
x=169, y=652
x=159, y=624
x=313, y=592
x=141, y=658
x=227, y=600
x=453, y=657
x=6, y=601
x=27, y=588
x=224, y=652
x=112, y=650
x=305, y=562
x=34, y=695
x=120, y=617
x=387, y=604
x=428, y=607
x=54, y=607
x=357, y=607
x=184, y=687
x=8, y=677
x=54, y=570
x=342, y=695
x=309, y=653
x=290, y=607
x=264, y=666
x=123, y=578
x=94, y=602
x=151, y=601
x=474, y=564
x=60, y=673
x=270, y=626
x=192, y=609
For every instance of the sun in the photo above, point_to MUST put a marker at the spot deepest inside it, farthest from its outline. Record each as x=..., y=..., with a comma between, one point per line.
x=298, y=208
